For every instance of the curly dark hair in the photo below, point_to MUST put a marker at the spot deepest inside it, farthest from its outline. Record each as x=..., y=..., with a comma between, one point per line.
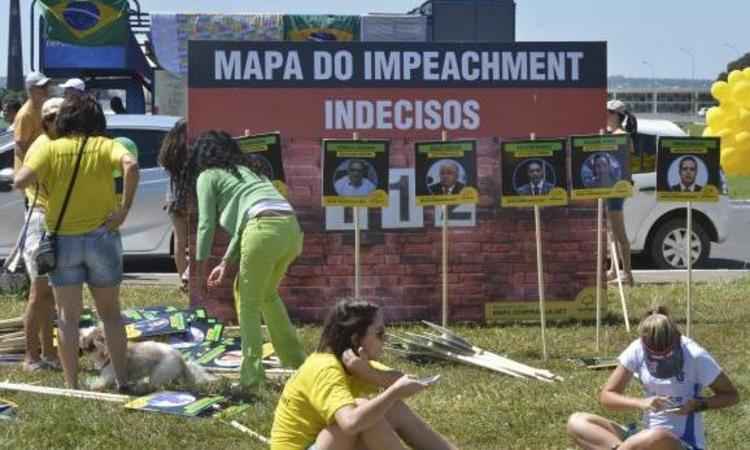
x=214, y=149
x=81, y=115
x=349, y=318
x=173, y=151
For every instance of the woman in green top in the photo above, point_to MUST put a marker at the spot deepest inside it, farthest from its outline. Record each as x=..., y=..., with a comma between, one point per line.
x=265, y=239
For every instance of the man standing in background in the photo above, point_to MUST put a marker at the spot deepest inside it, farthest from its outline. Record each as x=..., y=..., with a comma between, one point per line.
x=28, y=123
x=74, y=86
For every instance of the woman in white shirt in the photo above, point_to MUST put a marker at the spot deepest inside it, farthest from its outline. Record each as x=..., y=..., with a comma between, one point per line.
x=673, y=371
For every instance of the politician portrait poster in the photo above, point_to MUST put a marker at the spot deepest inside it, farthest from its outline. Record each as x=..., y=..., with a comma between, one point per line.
x=687, y=169
x=446, y=173
x=355, y=173
x=600, y=166
x=534, y=173
x=264, y=157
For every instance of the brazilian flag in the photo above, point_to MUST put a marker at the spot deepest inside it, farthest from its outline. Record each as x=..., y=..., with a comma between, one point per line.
x=87, y=22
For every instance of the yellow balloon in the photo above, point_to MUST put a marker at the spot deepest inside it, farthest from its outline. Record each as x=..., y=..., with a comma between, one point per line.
x=741, y=93
x=727, y=136
x=715, y=117
x=742, y=139
x=735, y=162
x=743, y=119
x=735, y=76
x=746, y=73
x=720, y=90
x=708, y=132
x=730, y=109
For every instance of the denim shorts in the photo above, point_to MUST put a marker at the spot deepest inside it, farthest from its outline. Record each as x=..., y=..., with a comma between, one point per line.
x=94, y=258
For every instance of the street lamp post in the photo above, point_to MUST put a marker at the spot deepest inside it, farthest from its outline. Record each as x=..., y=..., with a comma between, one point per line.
x=692, y=77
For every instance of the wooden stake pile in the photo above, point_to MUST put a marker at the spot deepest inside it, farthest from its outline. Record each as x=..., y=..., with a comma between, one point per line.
x=12, y=337
x=452, y=347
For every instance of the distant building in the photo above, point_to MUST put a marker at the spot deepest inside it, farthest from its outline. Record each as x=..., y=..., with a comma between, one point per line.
x=679, y=100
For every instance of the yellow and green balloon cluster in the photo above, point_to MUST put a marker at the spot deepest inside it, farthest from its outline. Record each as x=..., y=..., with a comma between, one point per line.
x=731, y=121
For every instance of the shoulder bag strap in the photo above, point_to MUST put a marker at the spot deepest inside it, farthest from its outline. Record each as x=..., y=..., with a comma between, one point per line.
x=70, y=186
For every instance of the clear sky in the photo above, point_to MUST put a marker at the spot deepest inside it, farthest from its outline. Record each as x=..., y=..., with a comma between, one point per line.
x=645, y=37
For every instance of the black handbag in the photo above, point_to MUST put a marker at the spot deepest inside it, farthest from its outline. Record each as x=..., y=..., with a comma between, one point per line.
x=46, y=255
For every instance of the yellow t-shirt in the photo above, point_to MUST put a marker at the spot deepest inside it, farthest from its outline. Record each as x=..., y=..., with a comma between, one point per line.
x=311, y=397
x=93, y=195
x=41, y=197
x=27, y=126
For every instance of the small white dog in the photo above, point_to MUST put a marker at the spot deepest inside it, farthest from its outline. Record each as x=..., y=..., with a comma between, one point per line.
x=151, y=365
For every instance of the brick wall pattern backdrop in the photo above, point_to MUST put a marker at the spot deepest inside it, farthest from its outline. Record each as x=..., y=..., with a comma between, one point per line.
x=401, y=269
x=409, y=92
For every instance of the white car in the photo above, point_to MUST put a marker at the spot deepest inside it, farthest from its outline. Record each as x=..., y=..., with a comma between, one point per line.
x=147, y=230
x=659, y=229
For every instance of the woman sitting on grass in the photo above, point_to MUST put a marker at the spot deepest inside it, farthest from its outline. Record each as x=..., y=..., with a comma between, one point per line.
x=673, y=371
x=323, y=406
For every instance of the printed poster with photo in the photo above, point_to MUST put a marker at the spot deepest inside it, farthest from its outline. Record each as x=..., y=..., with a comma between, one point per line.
x=600, y=167
x=175, y=403
x=264, y=153
x=534, y=173
x=355, y=173
x=446, y=173
x=172, y=323
x=687, y=169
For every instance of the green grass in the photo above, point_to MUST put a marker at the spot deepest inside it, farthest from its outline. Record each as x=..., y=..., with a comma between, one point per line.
x=739, y=187
x=475, y=408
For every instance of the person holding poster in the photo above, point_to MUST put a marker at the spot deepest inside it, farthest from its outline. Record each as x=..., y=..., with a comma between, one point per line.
x=265, y=239
x=619, y=121
x=673, y=371
x=333, y=400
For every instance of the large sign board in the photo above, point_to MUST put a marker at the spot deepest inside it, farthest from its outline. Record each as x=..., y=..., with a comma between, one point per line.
x=687, y=169
x=412, y=90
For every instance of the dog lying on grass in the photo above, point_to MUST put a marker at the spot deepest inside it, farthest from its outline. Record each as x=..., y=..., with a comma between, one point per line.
x=151, y=365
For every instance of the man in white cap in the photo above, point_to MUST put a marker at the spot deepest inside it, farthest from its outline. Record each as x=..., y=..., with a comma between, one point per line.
x=28, y=123
x=74, y=86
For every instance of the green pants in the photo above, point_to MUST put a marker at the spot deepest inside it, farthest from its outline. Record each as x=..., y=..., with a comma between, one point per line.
x=269, y=245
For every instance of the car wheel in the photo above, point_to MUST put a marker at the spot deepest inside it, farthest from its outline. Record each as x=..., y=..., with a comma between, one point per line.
x=670, y=240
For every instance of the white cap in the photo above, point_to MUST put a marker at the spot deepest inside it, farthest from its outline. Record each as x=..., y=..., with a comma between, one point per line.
x=616, y=106
x=75, y=83
x=51, y=106
x=36, y=79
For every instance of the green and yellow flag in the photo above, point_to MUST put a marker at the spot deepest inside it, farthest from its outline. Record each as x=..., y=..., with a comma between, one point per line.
x=87, y=22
